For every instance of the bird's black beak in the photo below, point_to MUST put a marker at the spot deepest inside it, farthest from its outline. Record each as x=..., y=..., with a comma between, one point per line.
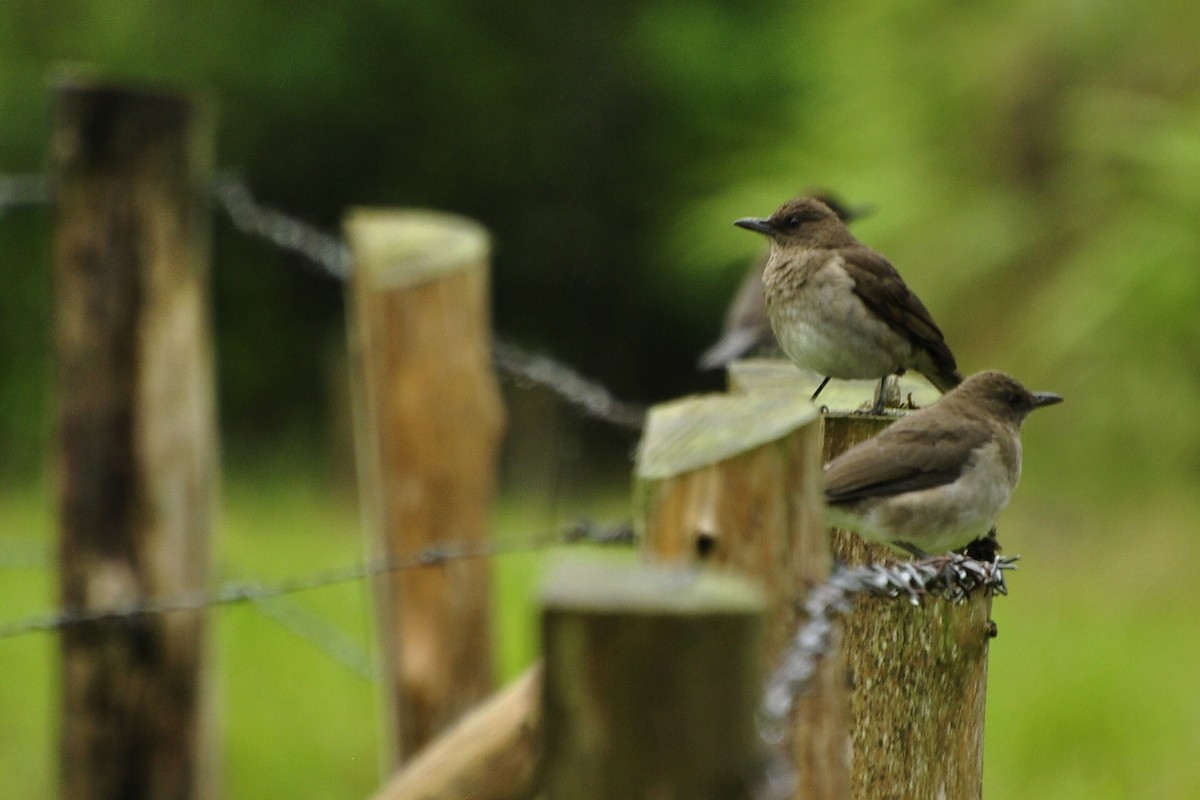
x=1041, y=399
x=755, y=224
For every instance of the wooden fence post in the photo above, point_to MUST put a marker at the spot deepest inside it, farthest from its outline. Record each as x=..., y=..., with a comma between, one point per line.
x=652, y=681
x=735, y=480
x=489, y=754
x=428, y=423
x=137, y=435
x=918, y=674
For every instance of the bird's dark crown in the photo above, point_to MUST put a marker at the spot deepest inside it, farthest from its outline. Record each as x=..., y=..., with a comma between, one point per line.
x=1001, y=396
x=794, y=213
x=803, y=221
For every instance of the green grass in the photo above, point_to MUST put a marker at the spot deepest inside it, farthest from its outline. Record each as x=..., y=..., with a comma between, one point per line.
x=292, y=721
x=1093, y=687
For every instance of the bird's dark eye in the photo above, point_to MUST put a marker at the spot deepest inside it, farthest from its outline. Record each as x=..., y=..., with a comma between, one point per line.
x=1015, y=400
x=792, y=222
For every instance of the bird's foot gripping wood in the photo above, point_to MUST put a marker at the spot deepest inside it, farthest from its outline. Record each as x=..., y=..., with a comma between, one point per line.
x=985, y=548
x=888, y=396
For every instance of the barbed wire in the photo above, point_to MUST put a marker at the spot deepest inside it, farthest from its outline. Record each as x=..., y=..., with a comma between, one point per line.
x=332, y=257
x=29, y=554
x=243, y=591
x=590, y=397
x=952, y=576
x=249, y=216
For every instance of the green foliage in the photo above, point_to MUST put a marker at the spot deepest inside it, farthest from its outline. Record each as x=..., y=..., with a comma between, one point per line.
x=1033, y=167
x=1091, y=681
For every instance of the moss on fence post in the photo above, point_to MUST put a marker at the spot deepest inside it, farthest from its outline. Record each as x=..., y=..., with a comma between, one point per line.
x=917, y=675
x=733, y=481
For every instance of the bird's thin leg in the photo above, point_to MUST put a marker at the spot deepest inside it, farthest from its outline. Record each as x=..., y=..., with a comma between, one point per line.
x=877, y=409
x=819, y=388
x=887, y=393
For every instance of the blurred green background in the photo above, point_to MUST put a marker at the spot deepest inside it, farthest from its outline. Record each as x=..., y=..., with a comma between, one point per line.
x=1035, y=170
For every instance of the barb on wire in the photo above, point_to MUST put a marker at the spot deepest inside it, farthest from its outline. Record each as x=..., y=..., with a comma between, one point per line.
x=953, y=576
x=23, y=190
x=255, y=591
x=250, y=216
x=332, y=256
x=587, y=395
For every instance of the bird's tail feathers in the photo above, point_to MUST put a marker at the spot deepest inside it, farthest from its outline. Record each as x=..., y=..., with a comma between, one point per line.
x=945, y=377
x=734, y=344
x=938, y=365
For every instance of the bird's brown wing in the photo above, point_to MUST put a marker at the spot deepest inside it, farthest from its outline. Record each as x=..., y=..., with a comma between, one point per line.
x=880, y=287
x=901, y=459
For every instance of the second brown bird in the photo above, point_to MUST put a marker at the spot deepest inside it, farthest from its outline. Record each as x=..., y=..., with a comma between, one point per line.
x=841, y=309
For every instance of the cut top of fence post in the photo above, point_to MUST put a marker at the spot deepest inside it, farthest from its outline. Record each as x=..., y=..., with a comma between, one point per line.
x=73, y=86
x=402, y=247
x=652, y=680
x=760, y=374
x=610, y=587
x=706, y=429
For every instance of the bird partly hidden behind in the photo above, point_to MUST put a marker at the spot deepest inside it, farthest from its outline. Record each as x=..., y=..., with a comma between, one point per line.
x=841, y=309
x=747, y=328
x=936, y=480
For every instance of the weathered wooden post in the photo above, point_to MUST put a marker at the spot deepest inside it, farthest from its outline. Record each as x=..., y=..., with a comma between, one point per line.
x=428, y=423
x=137, y=435
x=917, y=674
x=491, y=753
x=652, y=681
x=734, y=480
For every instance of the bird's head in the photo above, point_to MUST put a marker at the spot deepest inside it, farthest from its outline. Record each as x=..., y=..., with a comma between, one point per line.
x=803, y=221
x=1001, y=396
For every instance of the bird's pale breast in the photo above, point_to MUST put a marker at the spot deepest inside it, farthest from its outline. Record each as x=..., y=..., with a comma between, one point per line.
x=945, y=517
x=822, y=325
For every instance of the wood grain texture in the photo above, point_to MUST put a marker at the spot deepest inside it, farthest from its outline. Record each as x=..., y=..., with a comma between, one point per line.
x=137, y=437
x=754, y=511
x=917, y=674
x=428, y=424
x=492, y=753
x=652, y=681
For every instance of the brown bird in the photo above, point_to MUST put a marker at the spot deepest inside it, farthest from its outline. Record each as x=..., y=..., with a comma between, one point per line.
x=937, y=479
x=841, y=309
x=747, y=328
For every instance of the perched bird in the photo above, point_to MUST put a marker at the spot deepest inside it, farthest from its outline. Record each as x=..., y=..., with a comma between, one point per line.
x=841, y=309
x=937, y=479
x=747, y=329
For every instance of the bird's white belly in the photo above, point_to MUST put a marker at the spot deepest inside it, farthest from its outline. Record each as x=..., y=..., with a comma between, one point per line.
x=941, y=518
x=826, y=328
